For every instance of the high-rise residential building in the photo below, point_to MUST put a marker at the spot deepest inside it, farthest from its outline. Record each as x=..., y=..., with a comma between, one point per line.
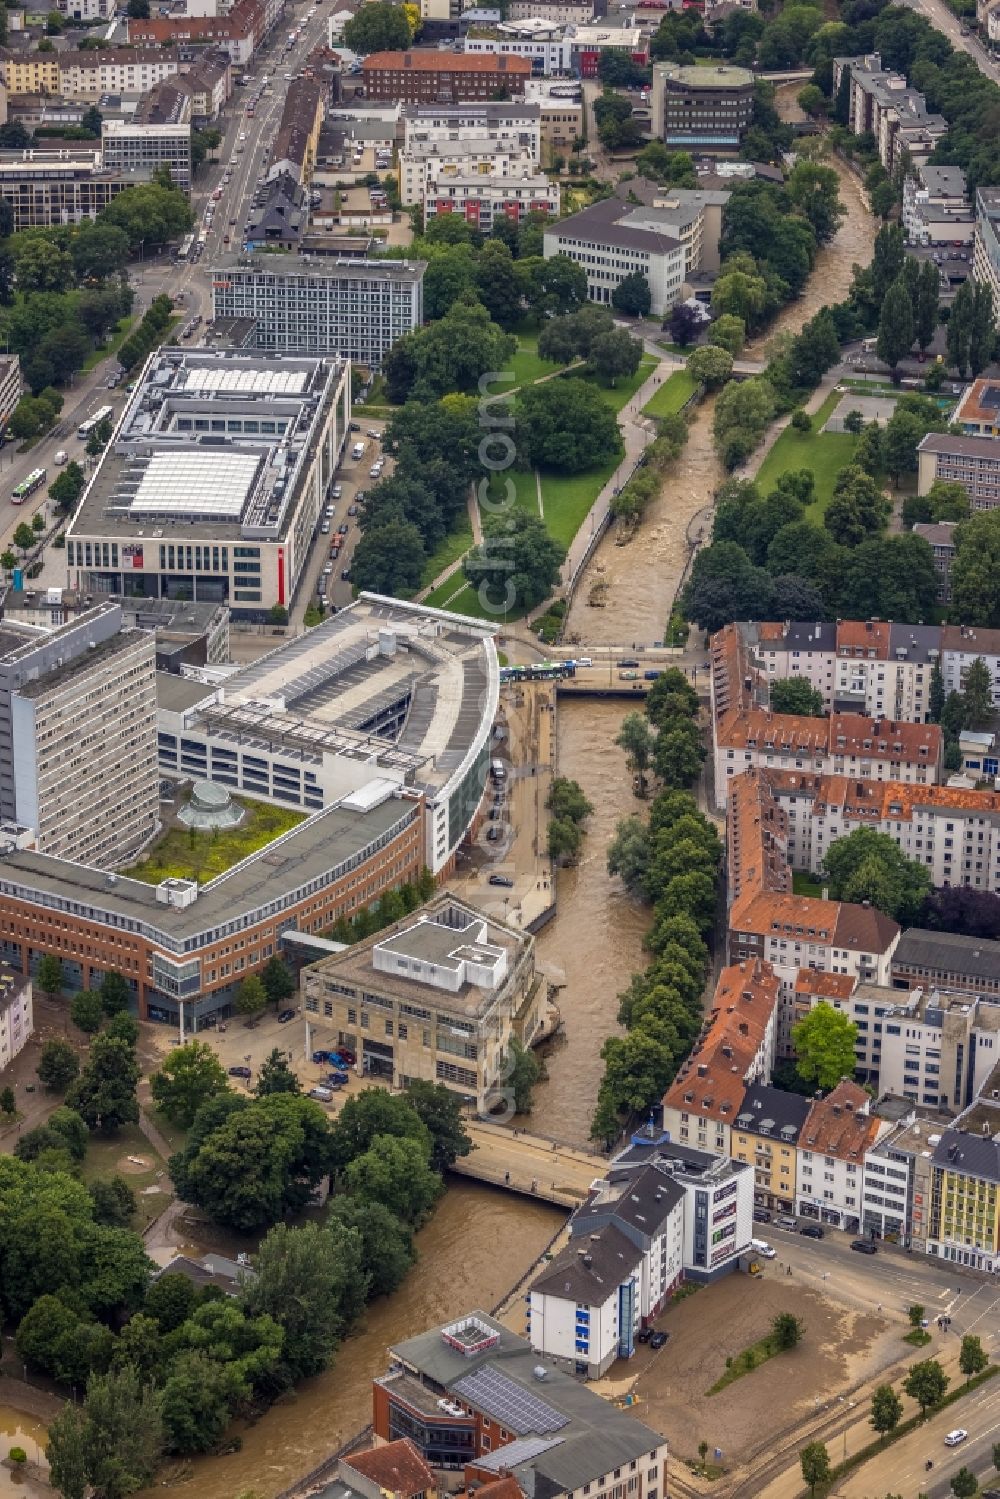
x=78, y=737
x=354, y=308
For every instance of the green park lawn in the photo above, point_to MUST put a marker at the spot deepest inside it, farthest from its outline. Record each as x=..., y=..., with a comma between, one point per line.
x=806, y=884
x=183, y=853
x=825, y=453
x=109, y=1157
x=619, y=394
x=675, y=391
x=453, y=546
x=566, y=499
x=112, y=346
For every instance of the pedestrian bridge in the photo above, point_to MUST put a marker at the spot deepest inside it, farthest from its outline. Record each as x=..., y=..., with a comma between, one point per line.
x=530, y=1165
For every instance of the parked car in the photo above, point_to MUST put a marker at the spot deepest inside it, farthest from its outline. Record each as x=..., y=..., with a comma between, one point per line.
x=956, y=1437
x=337, y=1079
x=864, y=1246
x=812, y=1231
x=644, y=1334
x=319, y=1057
x=239, y=1072
x=658, y=1339
x=761, y=1215
x=286, y=1016
x=764, y=1249
x=501, y=879
x=785, y=1220
x=345, y=576
x=322, y=1095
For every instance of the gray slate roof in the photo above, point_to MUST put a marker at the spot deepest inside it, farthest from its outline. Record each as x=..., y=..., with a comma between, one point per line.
x=974, y=957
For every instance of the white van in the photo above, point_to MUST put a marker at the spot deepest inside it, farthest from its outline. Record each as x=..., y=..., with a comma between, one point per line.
x=763, y=1248
x=60, y=458
x=358, y=451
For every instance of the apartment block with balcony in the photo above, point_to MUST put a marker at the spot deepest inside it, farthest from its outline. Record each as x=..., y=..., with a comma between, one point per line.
x=480, y=199
x=897, y=1181
x=883, y=104
x=964, y=1224
x=936, y=206
x=939, y=1047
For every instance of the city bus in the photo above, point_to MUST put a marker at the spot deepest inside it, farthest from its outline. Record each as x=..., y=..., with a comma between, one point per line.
x=538, y=671
x=187, y=245
x=103, y=413
x=28, y=486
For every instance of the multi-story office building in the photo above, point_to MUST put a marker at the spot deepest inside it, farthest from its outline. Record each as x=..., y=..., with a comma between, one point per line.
x=897, y=1179
x=475, y=1398
x=47, y=188
x=439, y=997
x=544, y=44
x=442, y=77
x=322, y=725
x=11, y=385
x=16, y=1014
x=141, y=149
x=480, y=199
x=611, y=240
x=736, y=1047
x=701, y=109
x=357, y=308
x=973, y=462
x=78, y=737
x=986, y=243
x=939, y=1047
x=882, y=103
x=213, y=485
x=766, y=1133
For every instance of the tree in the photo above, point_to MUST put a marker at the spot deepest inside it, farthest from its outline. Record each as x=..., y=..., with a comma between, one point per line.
x=867, y=865
x=66, y=1453
x=275, y=1075
x=369, y=1114
x=396, y=1173
x=823, y=1042
x=683, y=324
x=189, y=1075
x=517, y=564
x=50, y=970
x=729, y=333
x=566, y=425
x=797, y=695
x=310, y=1282
x=636, y=739
x=440, y=1110
x=614, y=354
x=8, y=1102
x=786, y=1331
x=972, y=1358
x=104, y=1093
x=114, y=1201
x=895, y=328
x=123, y=1436
x=86, y=1011
x=926, y=1383
x=58, y=1064
x=742, y=413
x=964, y=1483
x=632, y=295
x=382, y=1243
x=251, y=998
x=449, y=355
x=887, y=261
x=925, y=306
x=679, y=753
x=710, y=365
x=8, y=561
x=276, y=976
x=116, y=995
x=523, y=1075
x=975, y=572
x=815, y=1463
x=959, y=332
x=982, y=330
x=390, y=558
x=858, y=507
x=813, y=189
x=887, y=1409
x=977, y=694
x=42, y=266
x=915, y=1314
x=378, y=28
x=249, y=1162
x=170, y=1300
x=498, y=283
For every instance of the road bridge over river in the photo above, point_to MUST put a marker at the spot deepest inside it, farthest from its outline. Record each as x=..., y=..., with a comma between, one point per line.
x=530, y=1164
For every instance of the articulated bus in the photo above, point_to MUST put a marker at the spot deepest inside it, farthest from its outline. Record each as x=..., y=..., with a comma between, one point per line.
x=103, y=413
x=28, y=486
x=538, y=671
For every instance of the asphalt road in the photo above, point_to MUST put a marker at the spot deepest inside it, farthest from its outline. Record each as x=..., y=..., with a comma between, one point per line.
x=945, y=21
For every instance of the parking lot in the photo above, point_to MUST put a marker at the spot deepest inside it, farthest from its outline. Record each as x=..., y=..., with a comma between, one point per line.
x=337, y=535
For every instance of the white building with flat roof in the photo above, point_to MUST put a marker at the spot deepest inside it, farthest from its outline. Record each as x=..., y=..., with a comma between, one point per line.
x=213, y=485
x=16, y=1015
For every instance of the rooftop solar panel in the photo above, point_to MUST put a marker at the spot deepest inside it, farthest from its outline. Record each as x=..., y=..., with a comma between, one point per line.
x=519, y=1410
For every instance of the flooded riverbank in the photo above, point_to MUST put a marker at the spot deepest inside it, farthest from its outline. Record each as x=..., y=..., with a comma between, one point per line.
x=595, y=941
x=479, y=1242
x=19, y=1430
